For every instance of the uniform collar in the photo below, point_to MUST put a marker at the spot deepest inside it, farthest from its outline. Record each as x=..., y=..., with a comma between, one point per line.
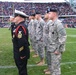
x=55, y=21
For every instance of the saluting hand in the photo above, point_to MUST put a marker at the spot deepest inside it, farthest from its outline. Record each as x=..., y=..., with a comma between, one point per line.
x=57, y=52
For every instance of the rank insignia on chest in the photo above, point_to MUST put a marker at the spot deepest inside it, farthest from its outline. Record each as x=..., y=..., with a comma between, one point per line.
x=19, y=34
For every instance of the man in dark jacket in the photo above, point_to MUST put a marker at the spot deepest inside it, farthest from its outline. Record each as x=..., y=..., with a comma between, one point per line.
x=20, y=42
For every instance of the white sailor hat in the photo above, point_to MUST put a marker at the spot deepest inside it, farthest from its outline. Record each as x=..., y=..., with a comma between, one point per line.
x=20, y=13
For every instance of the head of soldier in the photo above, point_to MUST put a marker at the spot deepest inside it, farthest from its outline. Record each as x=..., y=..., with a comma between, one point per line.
x=53, y=14
x=38, y=15
x=32, y=16
x=19, y=16
x=46, y=17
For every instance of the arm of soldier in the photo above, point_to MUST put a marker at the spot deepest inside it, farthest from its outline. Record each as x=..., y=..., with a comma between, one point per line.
x=45, y=31
x=35, y=25
x=29, y=28
x=42, y=28
x=22, y=43
x=61, y=38
x=44, y=35
x=34, y=29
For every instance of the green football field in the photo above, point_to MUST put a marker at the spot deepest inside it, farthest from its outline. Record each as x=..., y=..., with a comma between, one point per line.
x=7, y=65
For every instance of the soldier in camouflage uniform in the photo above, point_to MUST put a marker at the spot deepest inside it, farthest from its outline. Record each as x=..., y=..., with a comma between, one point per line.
x=32, y=33
x=34, y=38
x=45, y=39
x=56, y=43
x=39, y=38
x=30, y=29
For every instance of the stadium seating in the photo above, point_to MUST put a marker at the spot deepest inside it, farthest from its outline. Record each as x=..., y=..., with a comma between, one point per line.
x=7, y=9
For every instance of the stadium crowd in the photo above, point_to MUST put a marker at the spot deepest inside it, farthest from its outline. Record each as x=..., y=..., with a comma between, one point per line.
x=7, y=9
x=70, y=22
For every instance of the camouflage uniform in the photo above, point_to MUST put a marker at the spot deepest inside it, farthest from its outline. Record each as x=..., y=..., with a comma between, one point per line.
x=57, y=38
x=34, y=42
x=45, y=39
x=30, y=29
x=39, y=38
x=32, y=33
x=46, y=32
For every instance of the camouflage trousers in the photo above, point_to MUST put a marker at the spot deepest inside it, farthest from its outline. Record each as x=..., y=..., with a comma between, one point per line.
x=53, y=62
x=47, y=57
x=40, y=49
x=34, y=45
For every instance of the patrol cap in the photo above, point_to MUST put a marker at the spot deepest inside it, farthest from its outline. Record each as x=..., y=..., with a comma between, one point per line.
x=20, y=13
x=51, y=10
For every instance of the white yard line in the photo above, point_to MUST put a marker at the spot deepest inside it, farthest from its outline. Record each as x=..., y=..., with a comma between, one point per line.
x=33, y=65
x=70, y=42
x=65, y=63
x=71, y=28
x=71, y=35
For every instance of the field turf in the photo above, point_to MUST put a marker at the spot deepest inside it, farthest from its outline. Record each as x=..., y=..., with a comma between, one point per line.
x=7, y=65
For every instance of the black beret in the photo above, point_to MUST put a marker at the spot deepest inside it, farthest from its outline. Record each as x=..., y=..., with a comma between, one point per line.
x=37, y=12
x=51, y=10
x=32, y=14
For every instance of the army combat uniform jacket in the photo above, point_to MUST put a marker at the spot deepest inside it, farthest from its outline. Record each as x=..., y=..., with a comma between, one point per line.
x=46, y=32
x=57, y=36
x=39, y=30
